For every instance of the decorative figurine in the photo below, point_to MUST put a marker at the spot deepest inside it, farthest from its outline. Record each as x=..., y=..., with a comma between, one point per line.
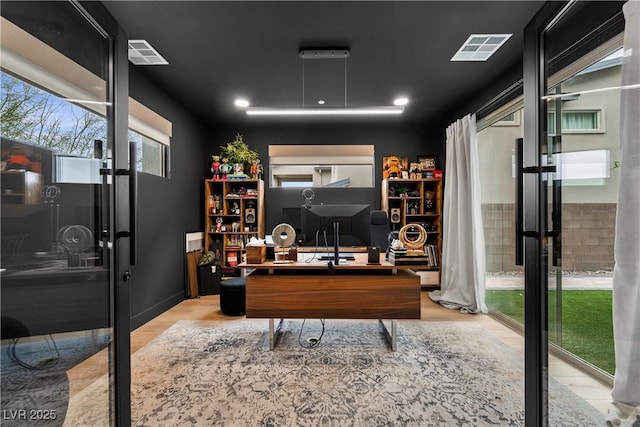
x=218, y=224
x=392, y=167
x=254, y=168
x=225, y=168
x=430, y=201
x=215, y=167
x=260, y=170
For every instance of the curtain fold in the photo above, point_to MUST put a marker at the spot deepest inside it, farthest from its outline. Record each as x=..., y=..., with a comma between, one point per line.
x=463, y=264
x=626, y=275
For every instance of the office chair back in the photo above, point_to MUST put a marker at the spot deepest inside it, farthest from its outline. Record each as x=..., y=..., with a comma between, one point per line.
x=380, y=229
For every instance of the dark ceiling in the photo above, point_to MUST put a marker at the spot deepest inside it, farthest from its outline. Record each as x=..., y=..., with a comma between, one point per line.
x=220, y=50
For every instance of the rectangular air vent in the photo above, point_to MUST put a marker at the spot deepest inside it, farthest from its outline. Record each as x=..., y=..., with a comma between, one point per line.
x=479, y=47
x=142, y=53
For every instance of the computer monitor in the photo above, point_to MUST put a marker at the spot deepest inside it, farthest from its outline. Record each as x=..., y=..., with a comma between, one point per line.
x=352, y=225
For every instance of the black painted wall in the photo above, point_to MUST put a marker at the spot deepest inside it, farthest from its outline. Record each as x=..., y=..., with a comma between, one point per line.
x=167, y=208
x=389, y=137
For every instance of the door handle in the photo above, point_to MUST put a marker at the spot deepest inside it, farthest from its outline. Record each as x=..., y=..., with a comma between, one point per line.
x=133, y=202
x=556, y=203
x=519, y=219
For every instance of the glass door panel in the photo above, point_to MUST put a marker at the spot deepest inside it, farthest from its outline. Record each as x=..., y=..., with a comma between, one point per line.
x=581, y=186
x=57, y=307
x=504, y=280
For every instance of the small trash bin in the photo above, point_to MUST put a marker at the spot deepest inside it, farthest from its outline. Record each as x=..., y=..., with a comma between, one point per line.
x=209, y=279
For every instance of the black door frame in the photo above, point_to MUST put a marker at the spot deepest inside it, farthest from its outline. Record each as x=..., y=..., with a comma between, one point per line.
x=535, y=225
x=119, y=214
x=534, y=222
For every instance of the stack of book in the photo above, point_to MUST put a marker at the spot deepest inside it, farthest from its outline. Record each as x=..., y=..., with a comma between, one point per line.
x=432, y=254
x=404, y=257
x=428, y=257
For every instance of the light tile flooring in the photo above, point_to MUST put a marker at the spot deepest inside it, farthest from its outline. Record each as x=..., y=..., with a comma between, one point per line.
x=208, y=308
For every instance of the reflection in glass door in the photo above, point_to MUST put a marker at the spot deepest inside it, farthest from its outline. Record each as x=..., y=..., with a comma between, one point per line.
x=581, y=179
x=583, y=142
x=57, y=261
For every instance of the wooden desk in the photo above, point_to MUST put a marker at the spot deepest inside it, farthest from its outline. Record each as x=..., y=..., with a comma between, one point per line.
x=310, y=288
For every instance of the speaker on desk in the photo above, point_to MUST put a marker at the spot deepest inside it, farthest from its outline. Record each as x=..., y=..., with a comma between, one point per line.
x=250, y=216
x=394, y=215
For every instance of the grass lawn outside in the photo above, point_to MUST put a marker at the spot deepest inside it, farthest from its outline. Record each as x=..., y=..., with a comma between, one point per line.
x=587, y=322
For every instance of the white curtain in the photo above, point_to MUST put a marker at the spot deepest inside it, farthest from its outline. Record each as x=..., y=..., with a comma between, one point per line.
x=626, y=274
x=463, y=253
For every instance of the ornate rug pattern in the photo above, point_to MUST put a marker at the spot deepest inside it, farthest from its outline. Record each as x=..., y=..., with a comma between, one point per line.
x=41, y=383
x=223, y=374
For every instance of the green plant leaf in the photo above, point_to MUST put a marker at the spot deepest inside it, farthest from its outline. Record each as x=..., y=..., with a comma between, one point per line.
x=237, y=151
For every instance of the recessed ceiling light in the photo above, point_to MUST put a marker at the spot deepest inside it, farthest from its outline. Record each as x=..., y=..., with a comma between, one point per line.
x=479, y=47
x=242, y=103
x=142, y=53
x=401, y=101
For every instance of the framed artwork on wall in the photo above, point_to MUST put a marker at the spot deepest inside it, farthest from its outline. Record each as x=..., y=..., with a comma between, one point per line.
x=428, y=162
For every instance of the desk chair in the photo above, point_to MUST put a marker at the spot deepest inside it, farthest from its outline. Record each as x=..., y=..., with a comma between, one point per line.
x=379, y=229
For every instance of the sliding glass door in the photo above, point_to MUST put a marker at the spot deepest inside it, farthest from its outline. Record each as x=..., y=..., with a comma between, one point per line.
x=570, y=178
x=60, y=342
x=582, y=150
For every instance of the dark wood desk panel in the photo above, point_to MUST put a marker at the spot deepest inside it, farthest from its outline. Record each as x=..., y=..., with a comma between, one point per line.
x=333, y=296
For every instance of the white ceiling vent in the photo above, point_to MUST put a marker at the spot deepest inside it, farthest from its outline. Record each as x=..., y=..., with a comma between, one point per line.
x=141, y=53
x=479, y=47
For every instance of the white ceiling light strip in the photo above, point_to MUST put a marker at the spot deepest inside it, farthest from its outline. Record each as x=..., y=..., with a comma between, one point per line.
x=310, y=111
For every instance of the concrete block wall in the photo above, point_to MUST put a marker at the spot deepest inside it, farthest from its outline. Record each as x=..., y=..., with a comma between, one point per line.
x=499, y=229
x=588, y=231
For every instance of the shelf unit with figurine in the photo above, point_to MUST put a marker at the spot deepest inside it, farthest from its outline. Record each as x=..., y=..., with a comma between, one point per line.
x=234, y=213
x=417, y=201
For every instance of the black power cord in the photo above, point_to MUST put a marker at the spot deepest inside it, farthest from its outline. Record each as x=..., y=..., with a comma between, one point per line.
x=311, y=342
x=44, y=364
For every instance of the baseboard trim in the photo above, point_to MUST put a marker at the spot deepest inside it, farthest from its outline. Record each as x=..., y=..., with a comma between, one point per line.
x=156, y=310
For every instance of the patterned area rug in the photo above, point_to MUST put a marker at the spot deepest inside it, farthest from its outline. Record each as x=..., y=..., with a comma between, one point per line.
x=35, y=388
x=223, y=374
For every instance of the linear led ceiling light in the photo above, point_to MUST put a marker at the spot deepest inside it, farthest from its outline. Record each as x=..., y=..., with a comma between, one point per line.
x=479, y=47
x=142, y=53
x=325, y=111
x=327, y=53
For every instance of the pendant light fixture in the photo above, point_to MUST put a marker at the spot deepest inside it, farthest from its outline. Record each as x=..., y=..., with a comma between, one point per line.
x=327, y=54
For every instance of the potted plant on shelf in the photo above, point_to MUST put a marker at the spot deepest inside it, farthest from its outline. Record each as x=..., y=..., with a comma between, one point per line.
x=239, y=153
